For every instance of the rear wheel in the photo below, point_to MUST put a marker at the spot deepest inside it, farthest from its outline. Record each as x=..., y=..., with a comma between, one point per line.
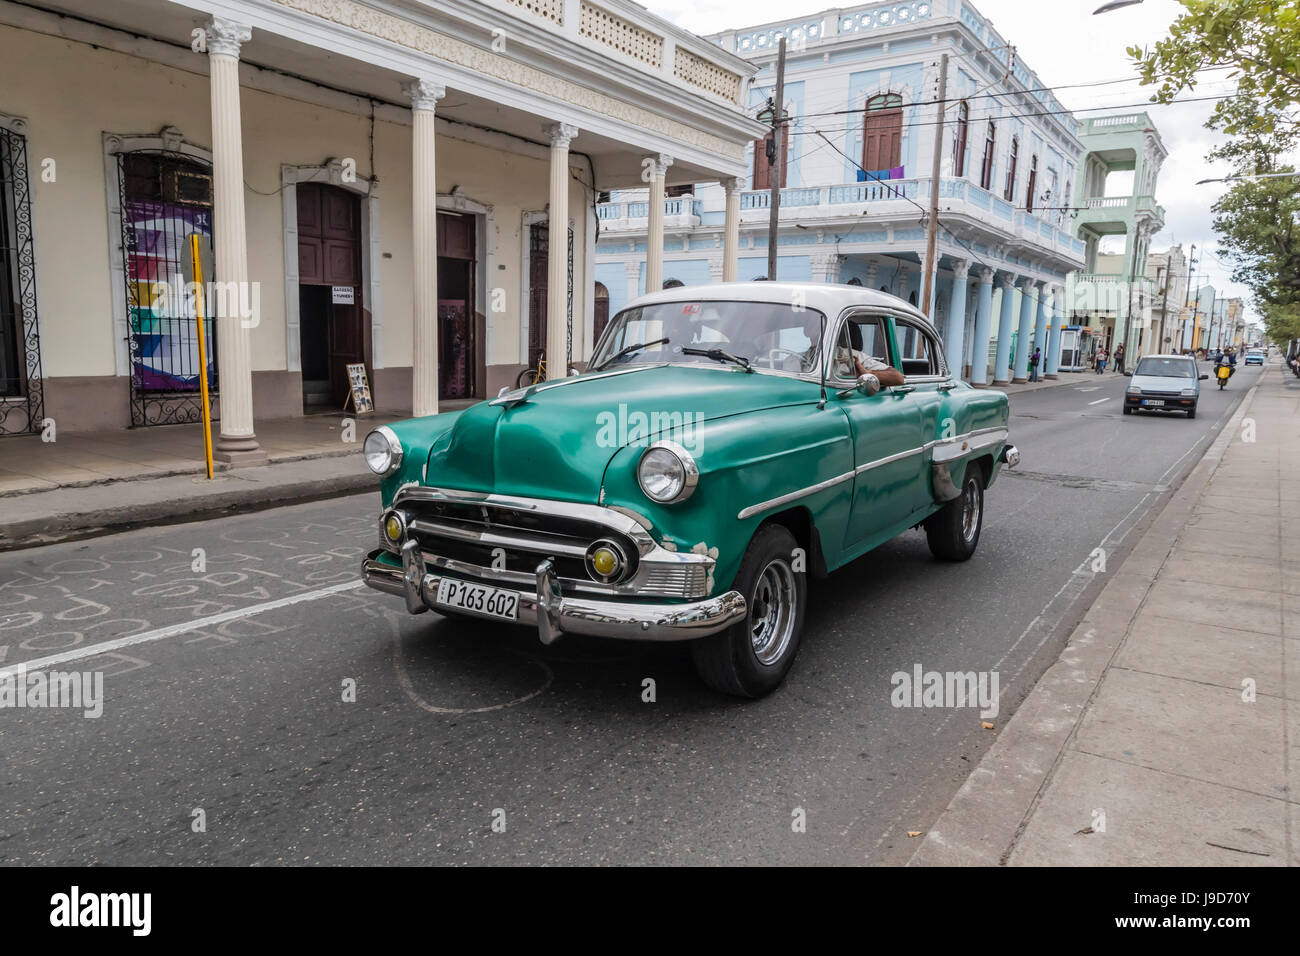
x=953, y=532
x=752, y=657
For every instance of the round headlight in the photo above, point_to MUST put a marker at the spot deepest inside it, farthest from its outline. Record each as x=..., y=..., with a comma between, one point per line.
x=382, y=450
x=667, y=472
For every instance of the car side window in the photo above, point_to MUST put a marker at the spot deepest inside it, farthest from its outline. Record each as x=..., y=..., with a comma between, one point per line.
x=919, y=352
x=861, y=337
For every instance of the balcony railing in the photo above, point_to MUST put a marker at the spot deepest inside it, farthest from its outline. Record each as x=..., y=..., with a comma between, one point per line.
x=830, y=201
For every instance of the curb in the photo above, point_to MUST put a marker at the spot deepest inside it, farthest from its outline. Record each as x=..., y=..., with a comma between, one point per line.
x=74, y=525
x=982, y=823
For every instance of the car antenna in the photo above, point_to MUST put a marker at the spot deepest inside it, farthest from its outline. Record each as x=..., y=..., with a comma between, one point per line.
x=821, y=361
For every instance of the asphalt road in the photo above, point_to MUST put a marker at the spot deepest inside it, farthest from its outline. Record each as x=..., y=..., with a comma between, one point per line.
x=233, y=743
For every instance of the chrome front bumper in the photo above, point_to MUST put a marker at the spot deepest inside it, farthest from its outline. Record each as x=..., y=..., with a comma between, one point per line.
x=554, y=614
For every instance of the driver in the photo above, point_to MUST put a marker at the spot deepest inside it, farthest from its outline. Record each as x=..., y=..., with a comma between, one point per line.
x=851, y=363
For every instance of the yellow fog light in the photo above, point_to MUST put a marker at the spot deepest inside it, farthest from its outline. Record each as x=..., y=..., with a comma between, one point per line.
x=394, y=527
x=606, y=562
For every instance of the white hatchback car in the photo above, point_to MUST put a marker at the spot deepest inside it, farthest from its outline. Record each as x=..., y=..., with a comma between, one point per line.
x=1164, y=383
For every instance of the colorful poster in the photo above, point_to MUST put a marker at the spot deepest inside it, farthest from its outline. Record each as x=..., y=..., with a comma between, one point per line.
x=161, y=296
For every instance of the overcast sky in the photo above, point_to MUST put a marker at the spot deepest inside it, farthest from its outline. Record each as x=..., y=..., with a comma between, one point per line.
x=1064, y=43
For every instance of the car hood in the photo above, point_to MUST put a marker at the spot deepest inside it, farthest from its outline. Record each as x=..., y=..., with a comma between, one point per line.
x=1162, y=383
x=555, y=440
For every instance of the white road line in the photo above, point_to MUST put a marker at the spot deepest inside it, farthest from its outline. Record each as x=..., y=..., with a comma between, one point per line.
x=172, y=630
x=1090, y=388
x=1100, y=400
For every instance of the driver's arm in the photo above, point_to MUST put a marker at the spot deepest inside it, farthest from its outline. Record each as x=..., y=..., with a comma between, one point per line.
x=887, y=374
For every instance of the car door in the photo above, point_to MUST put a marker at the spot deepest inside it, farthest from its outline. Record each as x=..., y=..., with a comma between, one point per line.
x=885, y=429
x=922, y=362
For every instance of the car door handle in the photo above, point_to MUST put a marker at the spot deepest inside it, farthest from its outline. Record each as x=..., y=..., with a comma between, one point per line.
x=901, y=389
x=947, y=386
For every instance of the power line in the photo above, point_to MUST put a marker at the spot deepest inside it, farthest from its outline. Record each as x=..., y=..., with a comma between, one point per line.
x=925, y=214
x=1061, y=112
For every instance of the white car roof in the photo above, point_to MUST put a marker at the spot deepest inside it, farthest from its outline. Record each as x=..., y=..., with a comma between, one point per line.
x=828, y=297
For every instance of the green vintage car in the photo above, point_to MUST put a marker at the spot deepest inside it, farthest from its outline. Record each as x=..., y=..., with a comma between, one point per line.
x=721, y=446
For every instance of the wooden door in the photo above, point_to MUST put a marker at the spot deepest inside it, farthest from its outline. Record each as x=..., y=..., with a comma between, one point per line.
x=329, y=254
x=882, y=136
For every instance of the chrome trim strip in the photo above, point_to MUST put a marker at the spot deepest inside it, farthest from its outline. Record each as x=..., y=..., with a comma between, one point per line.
x=793, y=496
x=518, y=396
x=990, y=436
x=953, y=448
x=889, y=459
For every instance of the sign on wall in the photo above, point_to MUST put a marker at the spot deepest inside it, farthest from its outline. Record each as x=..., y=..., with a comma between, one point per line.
x=343, y=294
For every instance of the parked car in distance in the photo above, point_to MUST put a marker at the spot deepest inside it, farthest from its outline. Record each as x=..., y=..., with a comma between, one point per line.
x=1165, y=383
x=723, y=444
x=1255, y=357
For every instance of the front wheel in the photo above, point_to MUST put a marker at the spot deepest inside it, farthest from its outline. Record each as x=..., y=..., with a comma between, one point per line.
x=1222, y=382
x=953, y=532
x=752, y=657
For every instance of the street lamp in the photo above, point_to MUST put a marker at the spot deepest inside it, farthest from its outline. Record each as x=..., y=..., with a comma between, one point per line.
x=1241, y=179
x=1114, y=5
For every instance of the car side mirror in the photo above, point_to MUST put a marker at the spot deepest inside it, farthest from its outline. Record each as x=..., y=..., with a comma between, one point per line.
x=1204, y=377
x=868, y=384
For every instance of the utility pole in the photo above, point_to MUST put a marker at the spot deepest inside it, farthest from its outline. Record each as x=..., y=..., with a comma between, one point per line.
x=932, y=222
x=777, y=168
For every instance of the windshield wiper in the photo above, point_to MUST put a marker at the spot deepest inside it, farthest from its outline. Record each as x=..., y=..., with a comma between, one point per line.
x=719, y=356
x=632, y=348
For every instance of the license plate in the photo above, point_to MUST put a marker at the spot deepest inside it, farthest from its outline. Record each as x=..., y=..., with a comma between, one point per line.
x=492, y=602
x=1153, y=401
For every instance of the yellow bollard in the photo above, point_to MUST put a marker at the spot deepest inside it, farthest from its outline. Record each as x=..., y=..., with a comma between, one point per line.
x=203, y=351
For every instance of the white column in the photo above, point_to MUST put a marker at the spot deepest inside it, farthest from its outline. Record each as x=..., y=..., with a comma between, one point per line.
x=657, y=166
x=731, y=239
x=424, y=95
x=557, y=253
x=236, y=442
x=979, y=361
x=953, y=344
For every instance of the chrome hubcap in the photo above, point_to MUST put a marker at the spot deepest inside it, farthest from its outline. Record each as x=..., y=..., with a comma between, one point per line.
x=970, y=510
x=771, y=620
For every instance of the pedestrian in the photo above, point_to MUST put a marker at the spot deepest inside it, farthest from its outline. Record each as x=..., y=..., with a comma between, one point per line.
x=1033, y=364
x=1119, y=358
x=1101, y=360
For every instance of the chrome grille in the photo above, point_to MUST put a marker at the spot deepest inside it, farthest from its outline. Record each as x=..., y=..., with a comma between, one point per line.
x=502, y=540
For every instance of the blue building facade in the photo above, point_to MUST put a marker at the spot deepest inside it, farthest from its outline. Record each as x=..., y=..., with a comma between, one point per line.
x=861, y=94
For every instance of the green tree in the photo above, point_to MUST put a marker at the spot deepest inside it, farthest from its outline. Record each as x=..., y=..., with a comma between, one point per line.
x=1258, y=39
x=1256, y=218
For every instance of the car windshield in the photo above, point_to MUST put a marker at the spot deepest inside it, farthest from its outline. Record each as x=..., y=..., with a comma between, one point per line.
x=769, y=335
x=1166, y=368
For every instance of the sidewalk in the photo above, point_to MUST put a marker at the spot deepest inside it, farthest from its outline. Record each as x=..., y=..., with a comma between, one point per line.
x=90, y=483
x=1142, y=745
